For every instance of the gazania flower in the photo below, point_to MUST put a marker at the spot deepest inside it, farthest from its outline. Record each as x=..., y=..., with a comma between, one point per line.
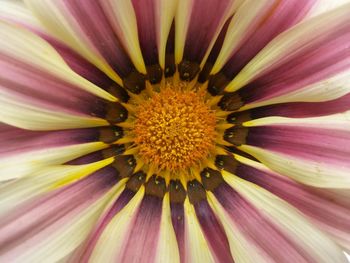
x=174, y=131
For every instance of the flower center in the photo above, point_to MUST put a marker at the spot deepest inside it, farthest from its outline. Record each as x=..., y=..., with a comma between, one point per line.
x=175, y=130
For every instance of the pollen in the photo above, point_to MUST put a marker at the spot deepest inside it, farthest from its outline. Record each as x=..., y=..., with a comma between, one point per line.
x=175, y=130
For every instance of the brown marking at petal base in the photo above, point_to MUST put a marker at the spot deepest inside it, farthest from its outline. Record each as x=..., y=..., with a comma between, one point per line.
x=227, y=162
x=177, y=192
x=217, y=83
x=135, y=181
x=115, y=113
x=234, y=150
x=125, y=164
x=118, y=92
x=134, y=82
x=236, y=135
x=110, y=134
x=196, y=191
x=113, y=151
x=156, y=186
x=204, y=74
x=230, y=102
x=170, y=67
x=154, y=74
x=188, y=70
x=211, y=179
x=238, y=118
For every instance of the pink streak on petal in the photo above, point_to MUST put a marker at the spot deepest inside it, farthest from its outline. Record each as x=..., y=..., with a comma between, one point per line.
x=214, y=232
x=304, y=109
x=321, y=60
x=146, y=25
x=37, y=219
x=284, y=16
x=323, y=209
x=142, y=243
x=259, y=230
x=41, y=89
x=203, y=25
x=18, y=141
x=86, y=251
x=94, y=23
x=177, y=218
x=322, y=145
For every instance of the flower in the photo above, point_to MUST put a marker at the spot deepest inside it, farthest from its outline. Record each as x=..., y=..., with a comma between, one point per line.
x=174, y=131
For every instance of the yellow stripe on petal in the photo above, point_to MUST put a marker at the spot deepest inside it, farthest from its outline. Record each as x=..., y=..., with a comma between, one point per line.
x=81, y=172
x=111, y=241
x=289, y=220
x=242, y=250
x=32, y=50
x=167, y=250
x=122, y=17
x=165, y=11
x=55, y=18
x=197, y=249
x=26, y=164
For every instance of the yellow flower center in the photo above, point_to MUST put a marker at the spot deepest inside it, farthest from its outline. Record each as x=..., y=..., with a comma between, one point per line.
x=175, y=130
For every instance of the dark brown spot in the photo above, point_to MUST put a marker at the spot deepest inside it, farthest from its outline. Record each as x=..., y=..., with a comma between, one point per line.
x=236, y=135
x=211, y=179
x=154, y=73
x=230, y=102
x=125, y=164
x=188, y=70
x=156, y=186
x=217, y=84
x=238, y=118
x=110, y=134
x=115, y=113
x=177, y=192
x=196, y=191
x=113, y=150
x=204, y=74
x=119, y=92
x=134, y=82
x=135, y=181
x=170, y=66
x=227, y=162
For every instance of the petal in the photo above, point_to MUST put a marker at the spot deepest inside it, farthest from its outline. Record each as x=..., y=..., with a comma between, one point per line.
x=52, y=226
x=194, y=37
x=253, y=26
x=321, y=206
x=42, y=149
x=315, y=48
x=64, y=21
x=268, y=222
x=111, y=242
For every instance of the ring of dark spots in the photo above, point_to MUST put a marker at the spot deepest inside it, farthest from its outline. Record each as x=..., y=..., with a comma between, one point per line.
x=238, y=118
x=110, y=134
x=154, y=74
x=125, y=165
x=177, y=192
x=196, y=191
x=115, y=113
x=119, y=92
x=170, y=67
x=135, y=181
x=227, y=162
x=134, y=82
x=113, y=150
x=188, y=70
x=236, y=135
x=217, y=83
x=156, y=186
x=204, y=74
x=211, y=179
x=231, y=101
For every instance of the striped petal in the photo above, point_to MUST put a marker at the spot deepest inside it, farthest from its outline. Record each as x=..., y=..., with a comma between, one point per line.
x=24, y=152
x=53, y=225
x=38, y=89
x=328, y=209
x=253, y=26
x=310, y=150
x=265, y=222
x=194, y=37
x=311, y=51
